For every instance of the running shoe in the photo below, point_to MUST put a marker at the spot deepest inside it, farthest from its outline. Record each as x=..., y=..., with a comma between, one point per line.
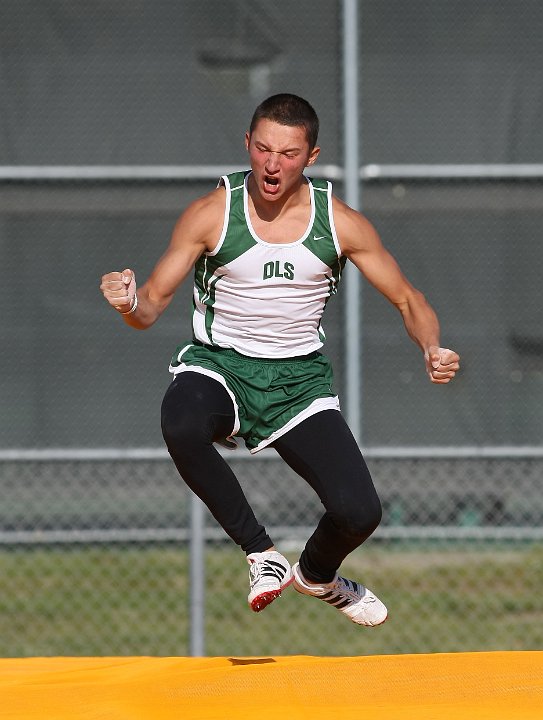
x=354, y=600
x=269, y=574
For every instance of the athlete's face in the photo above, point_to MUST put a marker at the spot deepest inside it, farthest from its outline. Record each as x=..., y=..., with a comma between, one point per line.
x=278, y=155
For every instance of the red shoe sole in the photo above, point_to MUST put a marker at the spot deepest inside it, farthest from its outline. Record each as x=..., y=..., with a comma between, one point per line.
x=262, y=601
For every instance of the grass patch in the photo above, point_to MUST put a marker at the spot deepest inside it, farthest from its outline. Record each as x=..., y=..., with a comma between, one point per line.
x=94, y=601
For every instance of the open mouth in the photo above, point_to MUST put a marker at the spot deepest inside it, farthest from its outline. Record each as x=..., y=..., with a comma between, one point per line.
x=271, y=183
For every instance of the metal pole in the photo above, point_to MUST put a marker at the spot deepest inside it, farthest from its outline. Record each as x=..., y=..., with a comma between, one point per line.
x=197, y=578
x=353, y=309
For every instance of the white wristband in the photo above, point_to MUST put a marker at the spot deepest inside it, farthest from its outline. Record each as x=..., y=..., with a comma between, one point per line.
x=133, y=308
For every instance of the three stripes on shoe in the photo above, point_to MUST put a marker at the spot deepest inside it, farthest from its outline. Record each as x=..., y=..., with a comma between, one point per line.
x=272, y=570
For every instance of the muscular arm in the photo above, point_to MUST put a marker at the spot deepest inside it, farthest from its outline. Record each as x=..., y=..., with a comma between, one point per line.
x=196, y=231
x=361, y=244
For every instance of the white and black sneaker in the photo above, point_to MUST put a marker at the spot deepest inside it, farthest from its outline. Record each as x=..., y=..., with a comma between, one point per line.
x=269, y=574
x=349, y=597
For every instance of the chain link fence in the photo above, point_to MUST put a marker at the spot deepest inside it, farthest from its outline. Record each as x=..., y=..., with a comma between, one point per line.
x=95, y=556
x=115, y=117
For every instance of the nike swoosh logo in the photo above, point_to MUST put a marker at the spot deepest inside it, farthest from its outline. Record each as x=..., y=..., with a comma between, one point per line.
x=321, y=237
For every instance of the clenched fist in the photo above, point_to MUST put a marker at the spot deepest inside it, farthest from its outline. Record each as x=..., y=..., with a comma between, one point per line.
x=119, y=289
x=441, y=364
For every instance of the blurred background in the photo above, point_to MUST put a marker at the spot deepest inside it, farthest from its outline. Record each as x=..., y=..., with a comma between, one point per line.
x=113, y=117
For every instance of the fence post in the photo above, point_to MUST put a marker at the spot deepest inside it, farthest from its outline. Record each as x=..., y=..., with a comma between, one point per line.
x=352, y=300
x=197, y=578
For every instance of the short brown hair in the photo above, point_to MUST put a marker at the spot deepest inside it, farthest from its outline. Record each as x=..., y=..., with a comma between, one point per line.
x=291, y=110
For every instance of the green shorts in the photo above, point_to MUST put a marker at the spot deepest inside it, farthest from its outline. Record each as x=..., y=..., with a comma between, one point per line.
x=270, y=397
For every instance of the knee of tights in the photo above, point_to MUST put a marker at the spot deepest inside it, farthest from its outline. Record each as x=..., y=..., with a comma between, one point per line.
x=359, y=524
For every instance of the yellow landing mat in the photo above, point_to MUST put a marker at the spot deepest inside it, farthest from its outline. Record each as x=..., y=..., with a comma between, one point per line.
x=457, y=686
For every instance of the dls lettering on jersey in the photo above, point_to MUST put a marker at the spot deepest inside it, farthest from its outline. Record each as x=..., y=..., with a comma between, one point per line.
x=274, y=269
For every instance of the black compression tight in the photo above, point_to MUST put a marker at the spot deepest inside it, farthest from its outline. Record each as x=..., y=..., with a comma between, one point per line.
x=197, y=411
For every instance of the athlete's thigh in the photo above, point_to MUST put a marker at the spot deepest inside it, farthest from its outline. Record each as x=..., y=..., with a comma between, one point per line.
x=323, y=451
x=199, y=404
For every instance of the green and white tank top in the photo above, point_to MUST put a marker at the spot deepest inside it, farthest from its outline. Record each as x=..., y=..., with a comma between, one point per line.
x=267, y=299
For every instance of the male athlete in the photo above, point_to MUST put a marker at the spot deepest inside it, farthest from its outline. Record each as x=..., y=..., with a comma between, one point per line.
x=268, y=247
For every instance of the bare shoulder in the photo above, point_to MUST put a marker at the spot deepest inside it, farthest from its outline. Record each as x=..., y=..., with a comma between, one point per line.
x=202, y=221
x=355, y=232
x=197, y=231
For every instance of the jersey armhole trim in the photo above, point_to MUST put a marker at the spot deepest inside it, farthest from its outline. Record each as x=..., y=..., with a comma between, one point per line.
x=331, y=220
x=224, y=180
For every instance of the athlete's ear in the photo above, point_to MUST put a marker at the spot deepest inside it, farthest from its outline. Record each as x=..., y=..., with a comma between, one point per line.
x=313, y=155
x=247, y=140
